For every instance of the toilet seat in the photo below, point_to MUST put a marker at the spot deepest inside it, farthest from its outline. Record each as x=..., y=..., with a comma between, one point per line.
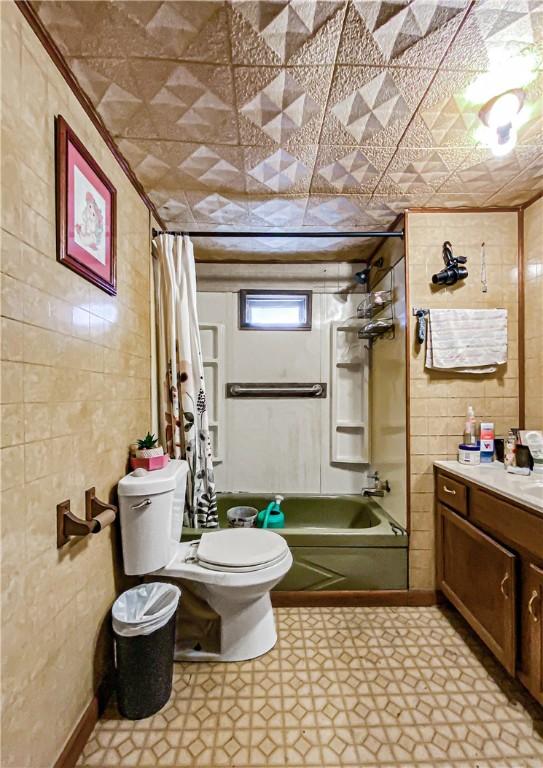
x=241, y=568
x=240, y=550
x=183, y=566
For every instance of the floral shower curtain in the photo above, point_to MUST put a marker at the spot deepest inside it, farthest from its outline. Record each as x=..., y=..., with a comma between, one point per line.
x=182, y=406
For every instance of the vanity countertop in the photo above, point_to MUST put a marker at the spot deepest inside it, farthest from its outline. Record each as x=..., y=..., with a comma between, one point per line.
x=524, y=490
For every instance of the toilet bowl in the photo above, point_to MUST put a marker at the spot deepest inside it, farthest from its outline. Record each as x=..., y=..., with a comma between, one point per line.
x=231, y=570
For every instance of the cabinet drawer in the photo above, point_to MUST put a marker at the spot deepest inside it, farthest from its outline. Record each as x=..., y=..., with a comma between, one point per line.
x=478, y=576
x=515, y=525
x=452, y=493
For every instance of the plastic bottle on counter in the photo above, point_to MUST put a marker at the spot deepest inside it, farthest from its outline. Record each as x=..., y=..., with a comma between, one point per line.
x=470, y=430
x=510, y=447
x=487, y=442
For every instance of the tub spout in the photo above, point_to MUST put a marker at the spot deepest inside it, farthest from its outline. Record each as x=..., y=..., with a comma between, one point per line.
x=379, y=487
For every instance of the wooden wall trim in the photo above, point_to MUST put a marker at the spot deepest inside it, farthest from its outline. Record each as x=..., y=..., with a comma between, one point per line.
x=85, y=726
x=408, y=322
x=521, y=323
x=79, y=737
x=60, y=62
x=356, y=598
x=531, y=201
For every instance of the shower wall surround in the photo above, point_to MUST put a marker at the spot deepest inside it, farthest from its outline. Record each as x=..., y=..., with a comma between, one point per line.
x=279, y=445
x=75, y=392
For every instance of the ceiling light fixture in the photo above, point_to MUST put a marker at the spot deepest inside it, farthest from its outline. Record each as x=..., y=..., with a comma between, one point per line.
x=500, y=115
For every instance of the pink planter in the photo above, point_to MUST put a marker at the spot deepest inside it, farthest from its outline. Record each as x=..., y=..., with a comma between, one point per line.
x=155, y=462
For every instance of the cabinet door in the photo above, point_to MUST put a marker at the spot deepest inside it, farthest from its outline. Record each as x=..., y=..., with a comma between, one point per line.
x=478, y=576
x=532, y=639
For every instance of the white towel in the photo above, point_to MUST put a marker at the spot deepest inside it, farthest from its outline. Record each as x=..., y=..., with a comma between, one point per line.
x=466, y=340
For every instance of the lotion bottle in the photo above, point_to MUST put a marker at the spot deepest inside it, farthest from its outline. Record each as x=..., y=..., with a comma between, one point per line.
x=470, y=430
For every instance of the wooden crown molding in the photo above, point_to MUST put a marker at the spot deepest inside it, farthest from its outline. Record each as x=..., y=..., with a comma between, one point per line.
x=531, y=201
x=60, y=62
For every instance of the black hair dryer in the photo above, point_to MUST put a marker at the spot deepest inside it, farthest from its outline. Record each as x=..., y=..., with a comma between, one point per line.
x=454, y=269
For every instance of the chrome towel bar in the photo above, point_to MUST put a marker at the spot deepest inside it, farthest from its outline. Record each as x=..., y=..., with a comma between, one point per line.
x=275, y=390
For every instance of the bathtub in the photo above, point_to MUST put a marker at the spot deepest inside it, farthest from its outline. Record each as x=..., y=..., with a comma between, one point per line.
x=337, y=542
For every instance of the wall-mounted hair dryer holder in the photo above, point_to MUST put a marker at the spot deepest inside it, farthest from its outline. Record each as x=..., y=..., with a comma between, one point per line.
x=454, y=267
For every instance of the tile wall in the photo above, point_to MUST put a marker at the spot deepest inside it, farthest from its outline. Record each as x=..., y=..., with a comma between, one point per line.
x=533, y=293
x=75, y=392
x=438, y=401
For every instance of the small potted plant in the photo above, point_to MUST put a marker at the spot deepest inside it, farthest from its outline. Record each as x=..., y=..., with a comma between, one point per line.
x=148, y=454
x=148, y=447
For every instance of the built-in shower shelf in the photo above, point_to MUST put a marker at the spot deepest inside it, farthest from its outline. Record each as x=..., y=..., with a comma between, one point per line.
x=349, y=460
x=349, y=395
x=212, y=335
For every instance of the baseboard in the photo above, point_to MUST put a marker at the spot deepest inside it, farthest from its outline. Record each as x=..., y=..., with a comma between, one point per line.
x=358, y=597
x=85, y=726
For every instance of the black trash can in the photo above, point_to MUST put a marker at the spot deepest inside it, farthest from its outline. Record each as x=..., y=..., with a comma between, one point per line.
x=144, y=636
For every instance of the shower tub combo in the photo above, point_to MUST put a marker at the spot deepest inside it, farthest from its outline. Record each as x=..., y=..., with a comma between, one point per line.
x=337, y=542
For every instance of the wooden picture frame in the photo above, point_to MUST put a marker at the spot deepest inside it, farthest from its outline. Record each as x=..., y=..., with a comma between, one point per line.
x=86, y=209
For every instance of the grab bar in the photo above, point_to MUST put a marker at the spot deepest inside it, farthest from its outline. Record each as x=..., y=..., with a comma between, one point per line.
x=275, y=390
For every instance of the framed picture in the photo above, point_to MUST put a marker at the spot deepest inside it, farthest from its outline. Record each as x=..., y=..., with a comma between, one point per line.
x=86, y=209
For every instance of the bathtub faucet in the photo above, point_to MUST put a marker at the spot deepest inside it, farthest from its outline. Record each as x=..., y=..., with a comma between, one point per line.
x=379, y=487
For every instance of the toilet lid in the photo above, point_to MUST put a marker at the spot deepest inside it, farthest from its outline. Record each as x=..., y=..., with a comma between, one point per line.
x=241, y=548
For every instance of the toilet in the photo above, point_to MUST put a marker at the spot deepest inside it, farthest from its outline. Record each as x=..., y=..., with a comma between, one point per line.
x=231, y=570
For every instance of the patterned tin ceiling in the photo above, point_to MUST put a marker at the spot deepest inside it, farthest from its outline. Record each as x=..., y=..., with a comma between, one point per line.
x=255, y=114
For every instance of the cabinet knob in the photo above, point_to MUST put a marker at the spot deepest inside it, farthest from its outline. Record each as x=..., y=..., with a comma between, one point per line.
x=503, y=582
x=531, y=601
x=449, y=490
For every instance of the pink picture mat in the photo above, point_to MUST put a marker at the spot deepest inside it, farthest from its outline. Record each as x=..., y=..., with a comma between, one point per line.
x=75, y=250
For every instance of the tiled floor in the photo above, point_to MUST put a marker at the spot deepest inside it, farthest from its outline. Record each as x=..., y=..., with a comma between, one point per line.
x=344, y=686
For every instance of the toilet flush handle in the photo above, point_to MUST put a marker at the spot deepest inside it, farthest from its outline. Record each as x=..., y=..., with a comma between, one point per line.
x=144, y=503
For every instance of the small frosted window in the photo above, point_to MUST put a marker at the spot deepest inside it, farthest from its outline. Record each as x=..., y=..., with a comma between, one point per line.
x=275, y=310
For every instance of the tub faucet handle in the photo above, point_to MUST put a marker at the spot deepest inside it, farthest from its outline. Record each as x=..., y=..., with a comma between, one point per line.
x=378, y=488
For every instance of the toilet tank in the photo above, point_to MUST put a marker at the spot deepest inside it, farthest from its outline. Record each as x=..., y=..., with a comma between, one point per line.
x=151, y=506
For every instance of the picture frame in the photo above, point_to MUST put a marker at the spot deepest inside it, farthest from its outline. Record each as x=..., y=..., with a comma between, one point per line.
x=86, y=207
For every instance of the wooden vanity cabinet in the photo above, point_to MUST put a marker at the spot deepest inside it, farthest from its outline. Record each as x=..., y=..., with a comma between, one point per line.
x=490, y=567
x=478, y=576
x=531, y=660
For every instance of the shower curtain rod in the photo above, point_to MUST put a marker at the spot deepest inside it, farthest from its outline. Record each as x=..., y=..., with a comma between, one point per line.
x=397, y=233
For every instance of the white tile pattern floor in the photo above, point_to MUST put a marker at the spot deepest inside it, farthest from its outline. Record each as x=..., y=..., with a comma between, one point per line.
x=397, y=687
